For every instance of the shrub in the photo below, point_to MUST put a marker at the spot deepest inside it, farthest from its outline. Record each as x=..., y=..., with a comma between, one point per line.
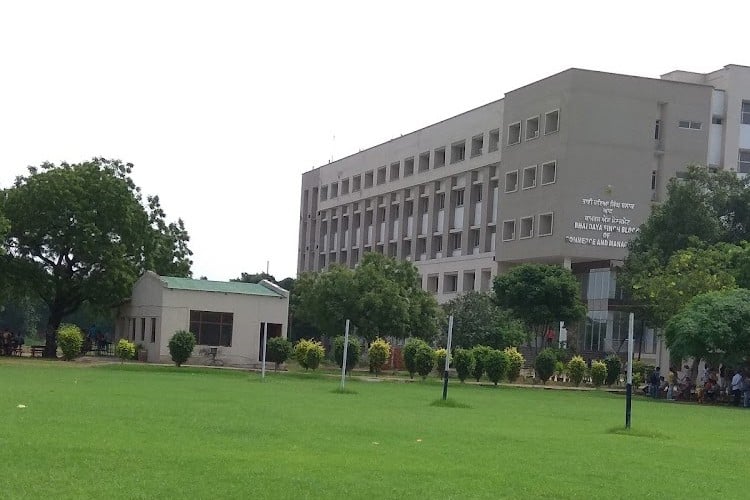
x=559, y=369
x=315, y=355
x=598, y=373
x=353, y=352
x=515, y=363
x=496, y=365
x=479, y=352
x=181, y=346
x=614, y=366
x=463, y=362
x=577, y=369
x=424, y=360
x=639, y=367
x=125, y=349
x=278, y=350
x=70, y=340
x=309, y=354
x=378, y=354
x=544, y=364
x=440, y=360
x=410, y=353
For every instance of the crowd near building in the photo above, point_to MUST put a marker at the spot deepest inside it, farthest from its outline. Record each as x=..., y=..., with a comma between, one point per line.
x=560, y=171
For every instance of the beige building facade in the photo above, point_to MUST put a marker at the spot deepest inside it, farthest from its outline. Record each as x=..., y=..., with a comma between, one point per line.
x=226, y=316
x=561, y=171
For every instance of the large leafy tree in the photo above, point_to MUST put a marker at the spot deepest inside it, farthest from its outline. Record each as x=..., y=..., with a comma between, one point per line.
x=714, y=326
x=701, y=210
x=381, y=297
x=540, y=295
x=82, y=233
x=477, y=320
x=688, y=273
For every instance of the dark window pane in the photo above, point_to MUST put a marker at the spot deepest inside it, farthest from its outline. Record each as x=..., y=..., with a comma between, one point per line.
x=226, y=336
x=210, y=317
x=195, y=315
x=209, y=334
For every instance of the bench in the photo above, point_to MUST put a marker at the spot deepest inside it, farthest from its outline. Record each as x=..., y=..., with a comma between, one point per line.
x=17, y=351
x=37, y=349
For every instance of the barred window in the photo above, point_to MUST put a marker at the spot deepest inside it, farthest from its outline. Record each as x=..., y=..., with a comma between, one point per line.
x=212, y=328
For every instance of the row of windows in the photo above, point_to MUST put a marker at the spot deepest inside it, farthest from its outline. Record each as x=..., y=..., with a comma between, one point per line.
x=529, y=177
x=450, y=282
x=526, y=227
x=456, y=153
x=532, y=129
x=137, y=329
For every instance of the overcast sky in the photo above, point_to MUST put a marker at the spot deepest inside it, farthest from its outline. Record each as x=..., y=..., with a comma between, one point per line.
x=223, y=105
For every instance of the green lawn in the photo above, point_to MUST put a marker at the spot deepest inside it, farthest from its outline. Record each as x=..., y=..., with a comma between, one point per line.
x=138, y=431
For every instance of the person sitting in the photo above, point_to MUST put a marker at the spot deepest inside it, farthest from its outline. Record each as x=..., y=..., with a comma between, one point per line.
x=685, y=389
x=710, y=390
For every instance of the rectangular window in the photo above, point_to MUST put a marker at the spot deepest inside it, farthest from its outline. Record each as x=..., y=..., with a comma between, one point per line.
x=334, y=190
x=368, y=179
x=549, y=172
x=551, y=122
x=509, y=230
x=529, y=177
x=395, y=171
x=441, y=201
x=212, y=328
x=511, y=181
x=437, y=243
x=381, y=176
x=545, y=224
x=408, y=167
x=323, y=193
x=455, y=241
x=143, y=329
x=745, y=118
x=474, y=236
x=132, y=329
x=439, y=158
x=527, y=228
x=460, y=198
x=477, y=145
x=532, y=128
x=717, y=120
x=689, y=124
x=743, y=166
x=514, y=133
x=653, y=179
x=458, y=152
x=494, y=140
x=424, y=162
x=451, y=283
x=345, y=186
x=356, y=183
x=153, y=330
x=657, y=130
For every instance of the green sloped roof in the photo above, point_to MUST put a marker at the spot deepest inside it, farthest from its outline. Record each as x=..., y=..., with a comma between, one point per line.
x=217, y=286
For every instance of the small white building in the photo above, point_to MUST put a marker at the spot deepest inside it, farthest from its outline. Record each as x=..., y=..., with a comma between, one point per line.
x=227, y=316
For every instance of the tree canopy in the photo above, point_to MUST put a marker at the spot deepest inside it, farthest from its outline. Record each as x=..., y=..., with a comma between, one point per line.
x=477, y=320
x=540, y=295
x=714, y=326
x=678, y=253
x=82, y=233
x=381, y=297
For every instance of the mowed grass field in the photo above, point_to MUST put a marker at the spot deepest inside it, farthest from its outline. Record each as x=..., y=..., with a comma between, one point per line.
x=137, y=431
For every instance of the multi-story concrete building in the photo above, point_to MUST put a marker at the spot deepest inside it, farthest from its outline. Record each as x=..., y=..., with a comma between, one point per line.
x=563, y=171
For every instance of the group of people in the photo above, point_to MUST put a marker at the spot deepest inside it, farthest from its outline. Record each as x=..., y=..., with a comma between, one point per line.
x=10, y=342
x=714, y=384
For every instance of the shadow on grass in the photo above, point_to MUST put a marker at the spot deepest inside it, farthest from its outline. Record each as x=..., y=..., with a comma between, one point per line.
x=345, y=390
x=641, y=433
x=449, y=403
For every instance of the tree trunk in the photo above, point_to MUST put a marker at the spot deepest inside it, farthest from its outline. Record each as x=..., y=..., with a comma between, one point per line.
x=50, y=346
